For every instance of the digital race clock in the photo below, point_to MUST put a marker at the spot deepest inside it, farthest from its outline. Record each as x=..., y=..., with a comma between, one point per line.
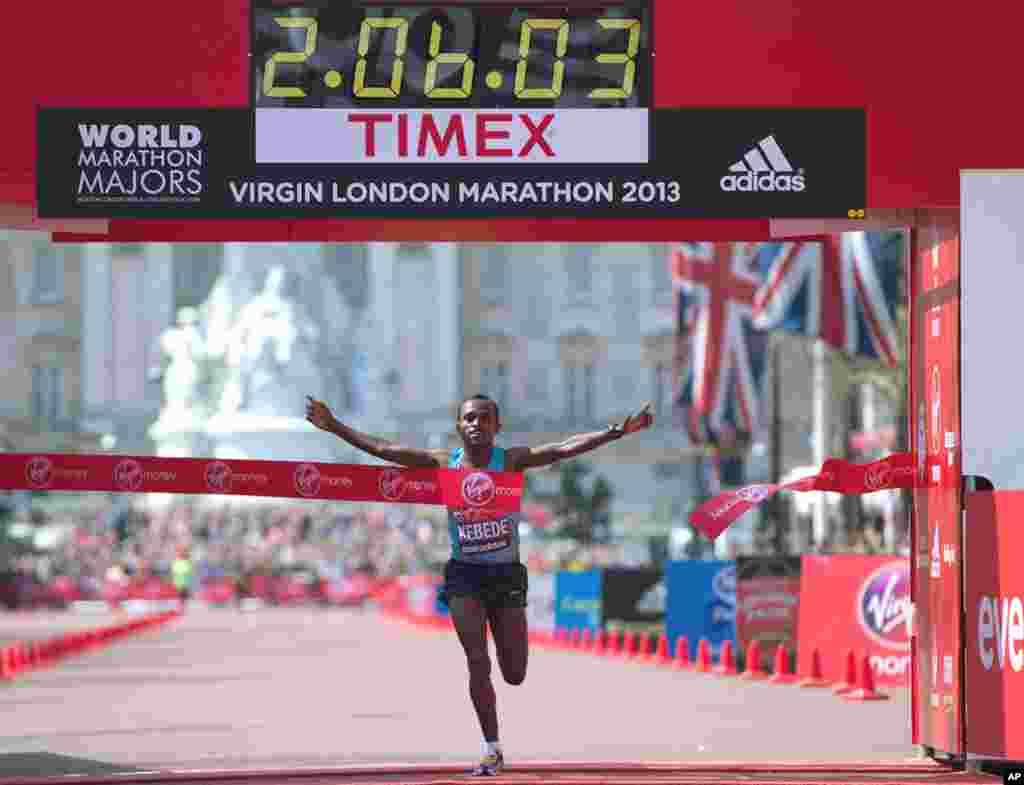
x=474, y=83
x=346, y=55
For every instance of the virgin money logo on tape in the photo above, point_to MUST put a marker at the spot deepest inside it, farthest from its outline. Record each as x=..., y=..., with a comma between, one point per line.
x=39, y=472
x=307, y=479
x=221, y=478
x=878, y=477
x=883, y=605
x=128, y=475
x=754, y=494
x=391, y=484
x=133, y=163
x=218, y=476
x=478, y=489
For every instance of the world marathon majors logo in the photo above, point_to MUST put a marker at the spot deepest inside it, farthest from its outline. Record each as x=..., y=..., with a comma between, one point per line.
x=138, y=163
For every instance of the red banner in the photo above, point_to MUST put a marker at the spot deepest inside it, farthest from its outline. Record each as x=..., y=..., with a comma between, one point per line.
x=767, y=603
x=934, y=373
x=994, y=632
x=895, y=471
x=860, y=603
x=487, y=492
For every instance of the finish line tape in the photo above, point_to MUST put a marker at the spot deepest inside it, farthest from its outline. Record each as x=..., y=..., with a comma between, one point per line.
x=464, y=489
x=895, y=471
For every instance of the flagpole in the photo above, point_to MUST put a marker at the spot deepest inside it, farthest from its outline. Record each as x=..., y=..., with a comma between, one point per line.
x=820, y=384
x=776, y=508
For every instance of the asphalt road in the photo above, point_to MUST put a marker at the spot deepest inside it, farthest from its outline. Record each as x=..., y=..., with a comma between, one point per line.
x=287, y=688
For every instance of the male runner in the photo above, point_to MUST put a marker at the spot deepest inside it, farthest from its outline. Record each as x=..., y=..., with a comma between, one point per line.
x=484, y=582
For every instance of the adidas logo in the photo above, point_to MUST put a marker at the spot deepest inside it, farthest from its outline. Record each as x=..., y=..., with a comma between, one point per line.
x=764, y=167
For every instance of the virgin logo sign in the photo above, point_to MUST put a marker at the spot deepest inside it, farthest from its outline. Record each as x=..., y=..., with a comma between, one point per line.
x=128, y=475
x=391, y=484
x=754, y=494
x=307, y=479
x=878, y=477
x=478, y=489
x=218, y=476
x=39, y=472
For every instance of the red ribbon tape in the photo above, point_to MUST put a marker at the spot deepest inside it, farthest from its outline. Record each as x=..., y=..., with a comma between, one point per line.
x=500, y=492
x=895, y=471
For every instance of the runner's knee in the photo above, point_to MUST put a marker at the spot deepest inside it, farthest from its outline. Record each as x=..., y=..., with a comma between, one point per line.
x=479, y=664
x=514, y=676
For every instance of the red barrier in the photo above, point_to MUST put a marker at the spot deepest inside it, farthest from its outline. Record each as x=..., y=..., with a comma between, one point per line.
x=26, y=655
x=860, y=603
x=481, y=493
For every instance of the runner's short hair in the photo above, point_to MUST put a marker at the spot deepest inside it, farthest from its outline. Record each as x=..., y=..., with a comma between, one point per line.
x=480, y=397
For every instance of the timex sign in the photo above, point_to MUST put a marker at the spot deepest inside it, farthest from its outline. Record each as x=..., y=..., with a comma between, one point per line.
x=477, y=83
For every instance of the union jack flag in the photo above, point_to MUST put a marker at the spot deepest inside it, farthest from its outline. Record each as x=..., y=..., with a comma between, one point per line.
x=720, y=356
x=842, y=289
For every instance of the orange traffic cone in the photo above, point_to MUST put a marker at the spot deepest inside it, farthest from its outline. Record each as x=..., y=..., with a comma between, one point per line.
x=727, y=662
x=587, y=641
x=815, y=678
x=754, y=671
x=682, y=658
x=599, y=643
x=628, y=645
x=849, y=682
x=782, y=675
x=614, y=647
x=703, y=664
x=661, y=655
x=643, y=648
x=866, y=691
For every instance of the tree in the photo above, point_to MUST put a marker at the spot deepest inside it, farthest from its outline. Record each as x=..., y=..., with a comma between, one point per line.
x=583, y=511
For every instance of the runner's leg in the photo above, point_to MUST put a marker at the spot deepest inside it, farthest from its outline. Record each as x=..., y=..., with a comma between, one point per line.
x=470, y=619
x=512, y=642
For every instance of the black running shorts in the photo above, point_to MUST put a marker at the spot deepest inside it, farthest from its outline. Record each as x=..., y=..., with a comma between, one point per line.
x=501, y=585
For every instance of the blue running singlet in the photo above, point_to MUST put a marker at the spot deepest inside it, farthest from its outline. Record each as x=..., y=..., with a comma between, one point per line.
x=483, y=541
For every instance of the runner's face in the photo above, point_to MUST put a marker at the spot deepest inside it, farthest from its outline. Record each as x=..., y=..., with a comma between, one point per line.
x=477, y=424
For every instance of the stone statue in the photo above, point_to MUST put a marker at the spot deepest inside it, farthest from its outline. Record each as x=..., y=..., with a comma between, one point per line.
x=270, y=353
x=185, y=349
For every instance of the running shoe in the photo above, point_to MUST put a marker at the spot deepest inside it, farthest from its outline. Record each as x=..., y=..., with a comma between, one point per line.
x=490, y=766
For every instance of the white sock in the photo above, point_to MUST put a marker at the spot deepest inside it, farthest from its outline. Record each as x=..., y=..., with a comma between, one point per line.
x=492, y=747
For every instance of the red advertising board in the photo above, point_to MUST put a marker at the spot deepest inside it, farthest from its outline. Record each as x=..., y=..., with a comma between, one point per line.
x=935, y=403
x=994, y=651
x=767, y=603
x=859, y=603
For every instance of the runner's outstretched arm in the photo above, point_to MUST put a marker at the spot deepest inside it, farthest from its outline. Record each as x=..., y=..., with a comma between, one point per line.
x=319, y=414
x=520, y=458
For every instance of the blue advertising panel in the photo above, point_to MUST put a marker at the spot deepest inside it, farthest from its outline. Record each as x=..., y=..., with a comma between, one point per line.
x=578, y=599
x=701, y=603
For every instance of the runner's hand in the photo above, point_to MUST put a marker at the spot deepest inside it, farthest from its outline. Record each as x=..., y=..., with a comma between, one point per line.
x=637, y=422
x=319, y=414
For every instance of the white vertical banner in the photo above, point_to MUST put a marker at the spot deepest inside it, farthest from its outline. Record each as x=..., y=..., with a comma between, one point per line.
x=991, y=282
x=540, y=609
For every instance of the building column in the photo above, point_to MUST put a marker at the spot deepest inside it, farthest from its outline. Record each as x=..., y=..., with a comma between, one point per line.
x=449, y=310
x=97, y=326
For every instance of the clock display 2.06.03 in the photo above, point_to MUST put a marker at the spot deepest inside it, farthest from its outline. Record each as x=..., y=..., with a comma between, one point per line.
x=467, y=56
